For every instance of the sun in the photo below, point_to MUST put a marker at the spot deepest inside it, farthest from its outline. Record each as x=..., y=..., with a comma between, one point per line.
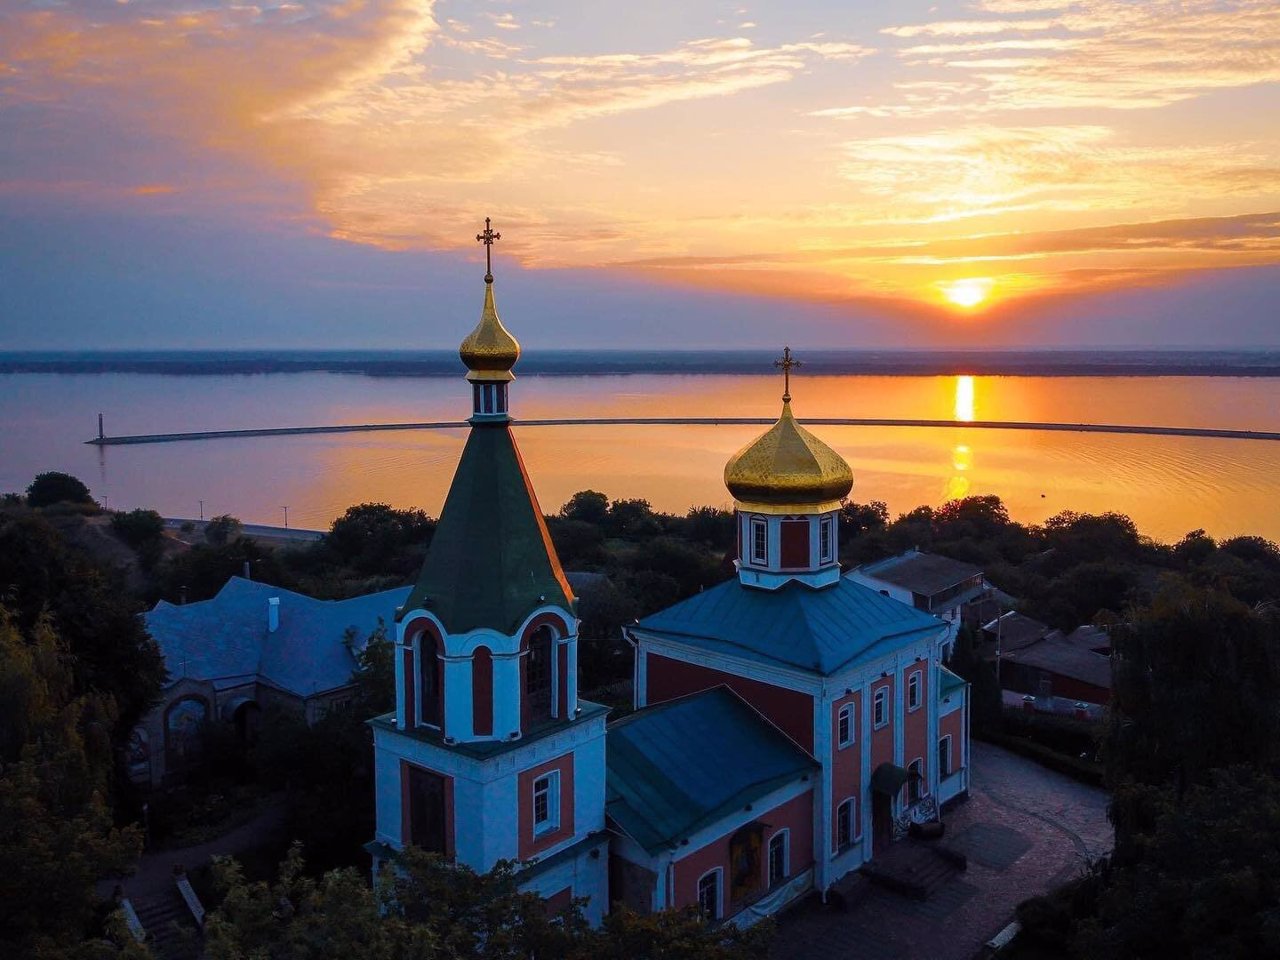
x=967, y=293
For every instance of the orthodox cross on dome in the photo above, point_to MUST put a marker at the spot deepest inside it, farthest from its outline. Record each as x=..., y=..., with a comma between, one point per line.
x=786, y=362
x=487, y=239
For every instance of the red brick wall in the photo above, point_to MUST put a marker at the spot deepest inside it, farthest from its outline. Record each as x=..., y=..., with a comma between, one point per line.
x=529, y=845
x=846, y=763
x=882, y=739
x=790, y=710
x=916, y=722
x=795, y=814
x=953, y=724
x=795, y=544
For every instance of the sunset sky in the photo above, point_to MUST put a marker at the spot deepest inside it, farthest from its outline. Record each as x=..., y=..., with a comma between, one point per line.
x=306, y=174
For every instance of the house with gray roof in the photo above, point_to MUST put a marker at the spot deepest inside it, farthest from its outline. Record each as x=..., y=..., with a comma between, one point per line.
x=927, y=581
x=250, y=647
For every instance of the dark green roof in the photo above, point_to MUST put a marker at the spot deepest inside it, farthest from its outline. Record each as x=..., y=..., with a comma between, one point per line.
x=684, y=764
x=820, y=630
x=491, y=562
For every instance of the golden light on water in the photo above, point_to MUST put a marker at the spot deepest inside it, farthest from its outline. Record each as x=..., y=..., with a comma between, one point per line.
x=964, y=398
x=967, y=293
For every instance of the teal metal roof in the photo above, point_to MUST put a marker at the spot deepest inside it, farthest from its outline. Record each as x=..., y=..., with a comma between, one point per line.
x=949, y=682
x=491, y=562
x=682, y=765
x=820, y=630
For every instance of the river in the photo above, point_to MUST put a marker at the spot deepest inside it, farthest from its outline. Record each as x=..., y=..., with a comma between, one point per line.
x=1169, y=485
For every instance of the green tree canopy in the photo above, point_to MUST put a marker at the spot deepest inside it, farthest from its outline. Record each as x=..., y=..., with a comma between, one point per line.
x=105, y=640
x=56, y=831
x=587, y=506
x=54, y=487
x=428, y=909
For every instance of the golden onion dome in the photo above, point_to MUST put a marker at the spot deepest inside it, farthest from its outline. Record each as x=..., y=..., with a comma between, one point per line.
x=489, y=351
x=788, y=470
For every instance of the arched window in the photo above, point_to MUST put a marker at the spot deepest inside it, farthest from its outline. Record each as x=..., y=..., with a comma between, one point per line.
x=184, y=731
x=709, y=894
x=916, y=786
x=428, y=678
x=537, y=674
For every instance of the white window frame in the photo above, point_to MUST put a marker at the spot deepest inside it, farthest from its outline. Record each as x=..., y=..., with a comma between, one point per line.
x=854, y=826
x=915, y=688
x=950, y=768
x=718, y=874
x=827, y=532
x=758, y=524
x=880, y=708
x=849, y=736
x=785, y=836
x=551, y=780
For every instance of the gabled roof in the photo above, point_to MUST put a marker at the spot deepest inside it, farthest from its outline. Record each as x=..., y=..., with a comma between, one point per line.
x=923, y=573
x=226, y=638
x=491, y=562
x=818, y=630
x=1017, y=630
x=677, y=767
x=1056, y=654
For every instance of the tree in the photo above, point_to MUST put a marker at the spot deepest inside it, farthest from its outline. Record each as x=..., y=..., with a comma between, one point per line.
x=53, y=487
x=106, y=641
x=429, y=909
x=143, y=530
x=587, y=506
x=633, y=520
x=222, y=529
x=56, y=831
x=378, y=538
x=711, y=526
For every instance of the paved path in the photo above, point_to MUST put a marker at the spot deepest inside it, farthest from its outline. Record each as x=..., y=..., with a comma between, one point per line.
x=1025, y=829
x=154, y=876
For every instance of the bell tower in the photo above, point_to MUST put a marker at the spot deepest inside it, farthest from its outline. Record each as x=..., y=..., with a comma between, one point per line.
x=490, y=754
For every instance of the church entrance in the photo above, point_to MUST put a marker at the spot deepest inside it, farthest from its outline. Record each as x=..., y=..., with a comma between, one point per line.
x=881, y=823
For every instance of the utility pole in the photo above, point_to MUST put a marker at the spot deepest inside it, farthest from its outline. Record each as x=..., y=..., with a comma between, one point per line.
x=201, y=509
x=285, y=508
x=101, y=435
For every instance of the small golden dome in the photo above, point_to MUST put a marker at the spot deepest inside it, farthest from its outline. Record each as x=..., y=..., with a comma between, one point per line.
x=489, y=351
x=788, y=470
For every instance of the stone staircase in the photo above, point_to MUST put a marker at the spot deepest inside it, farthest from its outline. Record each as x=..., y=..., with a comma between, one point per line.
x=915, y=868
x=171, y=930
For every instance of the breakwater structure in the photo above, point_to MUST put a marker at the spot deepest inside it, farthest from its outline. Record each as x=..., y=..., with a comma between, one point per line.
x=103, y=440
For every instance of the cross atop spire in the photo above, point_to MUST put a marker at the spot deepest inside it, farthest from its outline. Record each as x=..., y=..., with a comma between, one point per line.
x=786, y=362
x=487, y=239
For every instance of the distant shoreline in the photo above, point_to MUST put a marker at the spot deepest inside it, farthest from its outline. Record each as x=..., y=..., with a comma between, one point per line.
x=444, y=363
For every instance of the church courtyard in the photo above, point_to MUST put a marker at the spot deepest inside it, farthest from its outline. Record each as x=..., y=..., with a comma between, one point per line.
x=1025, y=830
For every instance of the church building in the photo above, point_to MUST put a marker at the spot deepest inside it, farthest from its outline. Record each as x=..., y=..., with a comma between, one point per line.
x=790, y=723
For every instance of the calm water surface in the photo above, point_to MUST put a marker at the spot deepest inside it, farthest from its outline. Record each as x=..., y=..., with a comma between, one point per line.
x=1169, y=485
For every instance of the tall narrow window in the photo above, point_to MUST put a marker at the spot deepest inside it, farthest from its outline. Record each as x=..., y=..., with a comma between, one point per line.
x=537, y=674
x=944, y=757
x=844, y=823
x=880, y=708
x=759, y=541
x=546, y=803
x=779, y=867
x=844, y=725
x=913, y=690
x=826, y=540
x=709, y=895
x=428, y=679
